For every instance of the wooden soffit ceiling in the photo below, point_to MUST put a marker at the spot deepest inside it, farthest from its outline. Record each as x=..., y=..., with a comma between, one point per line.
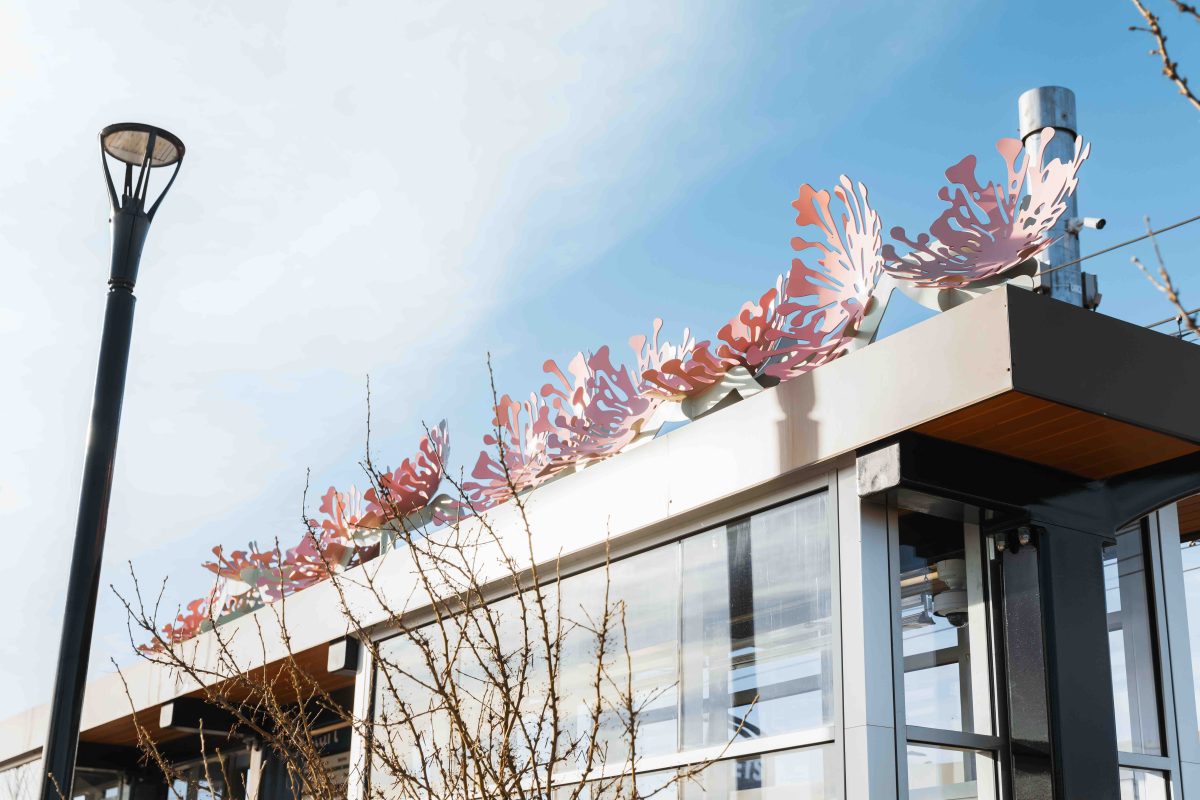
x=1055, y=435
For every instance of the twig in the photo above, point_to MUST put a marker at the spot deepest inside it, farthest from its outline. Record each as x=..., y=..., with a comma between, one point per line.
x=1165, y=285
x=1170, y=68
x=1184, y=8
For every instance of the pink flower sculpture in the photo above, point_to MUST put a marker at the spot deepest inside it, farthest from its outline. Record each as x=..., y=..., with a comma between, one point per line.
x=674, y=372
x=591, y=411
x=412, y=485
x=189, y=621
x=600, y=411
x=594, y=408
x=988, y=229
x=343, y=513
x=314, y=560
x=260, y=571
x=526, y=439
x=810, y=315
x=850, y=260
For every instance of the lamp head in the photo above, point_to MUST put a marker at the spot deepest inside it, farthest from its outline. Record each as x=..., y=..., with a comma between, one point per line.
x=128, y=141
x=141, y=147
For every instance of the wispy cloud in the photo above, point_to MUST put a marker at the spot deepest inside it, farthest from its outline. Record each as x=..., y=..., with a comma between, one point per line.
x=357, y=184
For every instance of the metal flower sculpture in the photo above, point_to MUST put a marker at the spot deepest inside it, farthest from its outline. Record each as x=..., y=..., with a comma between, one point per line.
x=343, y=512
x=812, y=312
x=314, y=559
x=850, y=260
x=260, y=572
x=411, y=486
x=600, y=410
x=593, y=408
x=591, y=411
x=987, y=229
x=191, y=621
x=526, y=440
x=247, y=579
x=673, y=372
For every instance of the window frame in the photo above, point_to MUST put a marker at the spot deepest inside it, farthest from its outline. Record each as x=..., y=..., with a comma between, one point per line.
x=632, y=544
x=996, y=743
x=1167, y=601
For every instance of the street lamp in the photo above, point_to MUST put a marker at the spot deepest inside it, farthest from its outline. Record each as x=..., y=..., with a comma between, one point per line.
x=146, y=148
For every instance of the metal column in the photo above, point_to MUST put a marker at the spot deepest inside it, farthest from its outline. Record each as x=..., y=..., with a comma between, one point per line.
x=1054, y=107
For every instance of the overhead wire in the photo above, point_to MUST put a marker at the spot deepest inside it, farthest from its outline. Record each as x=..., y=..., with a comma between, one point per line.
x=1135, y=240
x=1172, y=319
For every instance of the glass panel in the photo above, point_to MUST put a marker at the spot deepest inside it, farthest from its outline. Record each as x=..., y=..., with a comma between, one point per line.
x=646, y=588
x=23, y=782
x=643, y=589
x=407, y=726
x=96, y=785
x=754, y=603
x=1189, y=542
x=940, y=773
x=1140, y=784
x=224, y=778
x=944, y=624
x=809, y=774
x=334, y=749
x=758, y=623
x=1131, y=645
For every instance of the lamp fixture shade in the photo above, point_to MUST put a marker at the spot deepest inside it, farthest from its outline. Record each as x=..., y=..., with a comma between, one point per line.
x=127, y=142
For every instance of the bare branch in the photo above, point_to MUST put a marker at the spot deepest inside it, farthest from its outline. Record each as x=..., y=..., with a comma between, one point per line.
x=1164, y=284
x=1169, y=68
x=1184, y=8
x=488, y=684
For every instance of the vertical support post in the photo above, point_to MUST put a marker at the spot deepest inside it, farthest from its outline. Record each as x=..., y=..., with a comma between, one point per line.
x=254, y=771
x=1064, y=737
x=358, y=784
x=869, y=711
x=1054, y=107
x=1177, y=636
x=1083, y=722
x=1025, y=668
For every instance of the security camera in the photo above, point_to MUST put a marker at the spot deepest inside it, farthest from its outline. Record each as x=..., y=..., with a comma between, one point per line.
x=951, y=602
x=958, y=618
x=1076, y=224
x=952, y=605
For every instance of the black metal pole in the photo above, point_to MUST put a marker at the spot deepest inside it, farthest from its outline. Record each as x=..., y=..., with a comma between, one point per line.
x=130, y=223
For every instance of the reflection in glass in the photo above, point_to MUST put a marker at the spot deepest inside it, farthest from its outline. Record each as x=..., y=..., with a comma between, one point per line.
x=96, y=784
x=751, y=608
x=1141, y=784
x=937, y=773
x=222, y=777
x=1189, y=542
x=944, y=625
x=23, y=782
x=1131, y=645
x=808, y=774
x=646, y=589
x=758, y=623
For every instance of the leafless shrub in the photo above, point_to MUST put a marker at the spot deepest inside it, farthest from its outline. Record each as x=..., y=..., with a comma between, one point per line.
x=494, y=683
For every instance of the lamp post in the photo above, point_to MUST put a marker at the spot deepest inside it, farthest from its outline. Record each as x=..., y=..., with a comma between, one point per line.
x=146, y=148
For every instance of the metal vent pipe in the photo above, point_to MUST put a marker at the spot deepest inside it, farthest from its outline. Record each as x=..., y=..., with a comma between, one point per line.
x=1054, y=107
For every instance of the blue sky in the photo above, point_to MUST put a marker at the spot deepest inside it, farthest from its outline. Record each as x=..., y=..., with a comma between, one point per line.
x=397, y=190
